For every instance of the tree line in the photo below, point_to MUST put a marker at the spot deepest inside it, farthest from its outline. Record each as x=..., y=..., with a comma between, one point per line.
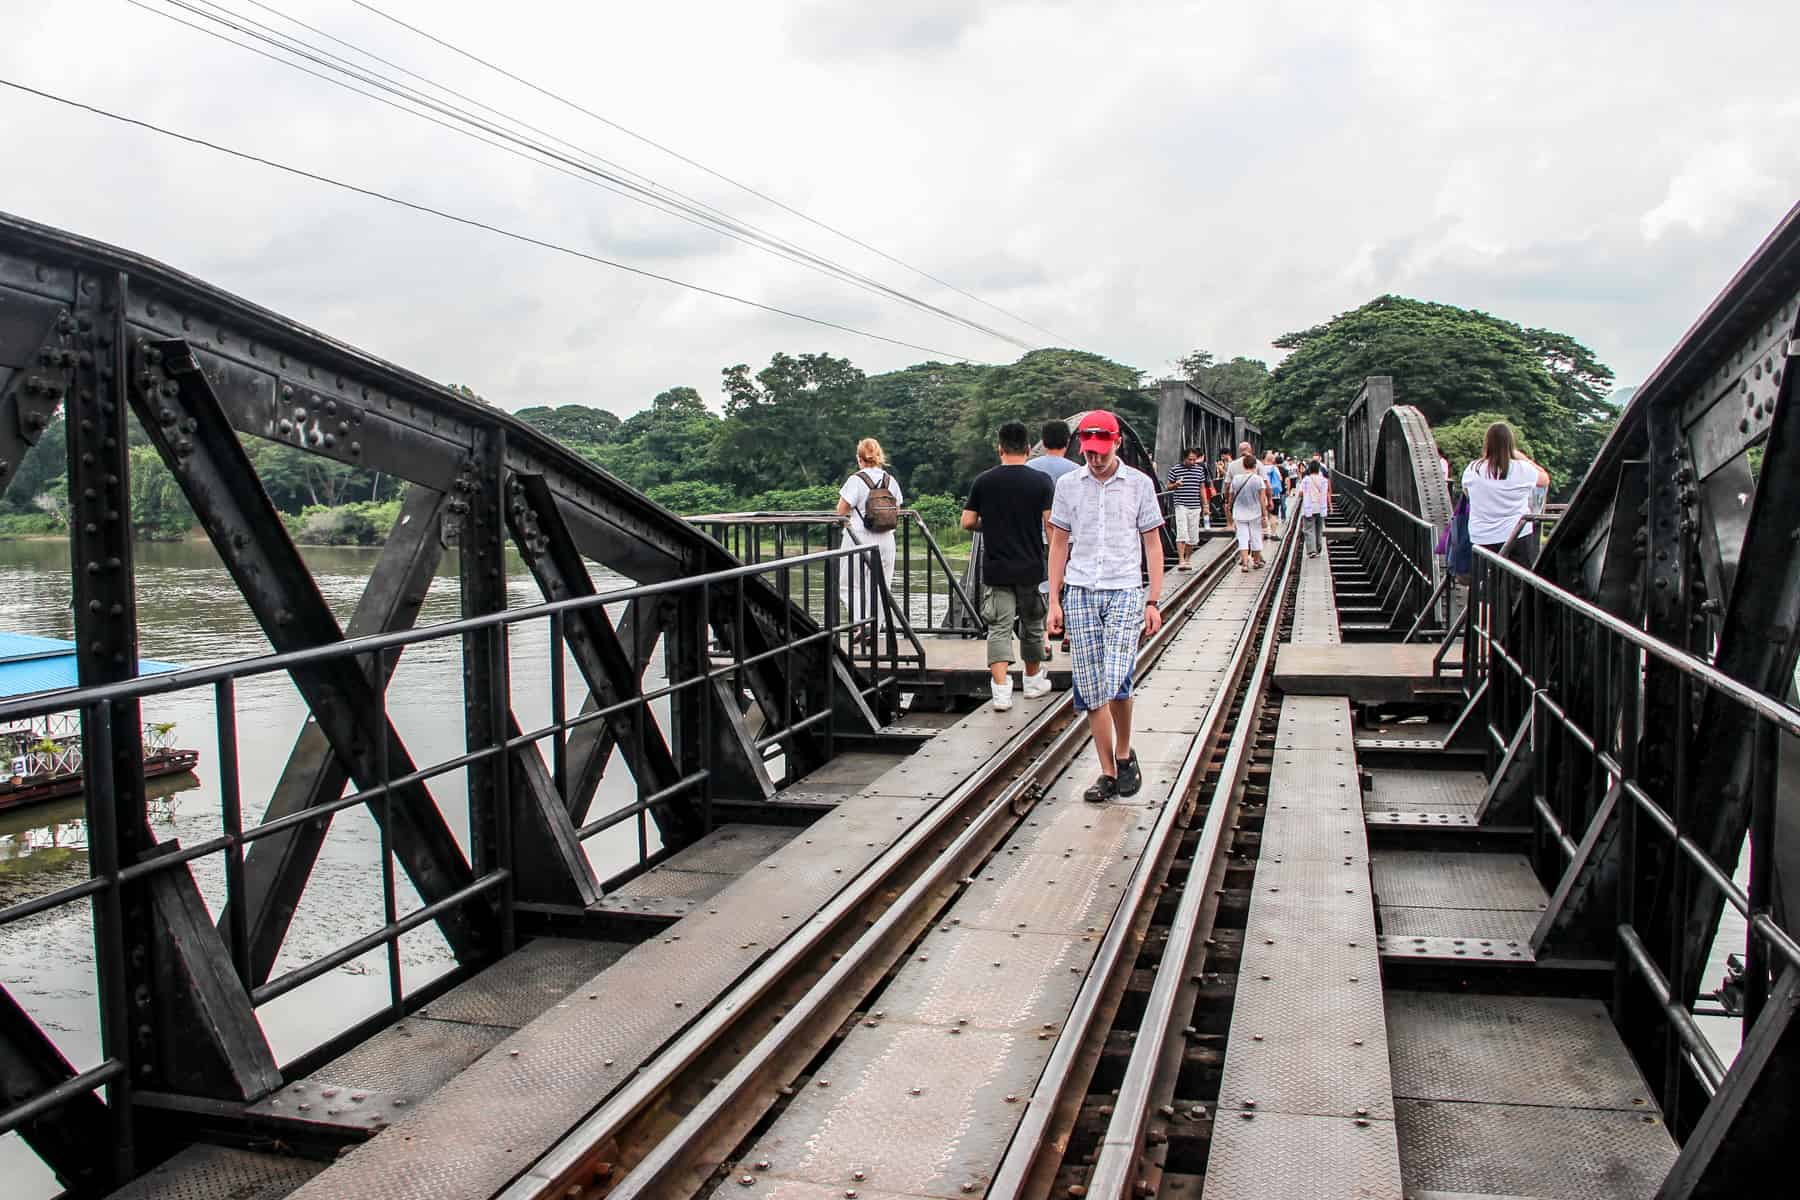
x=786, y=436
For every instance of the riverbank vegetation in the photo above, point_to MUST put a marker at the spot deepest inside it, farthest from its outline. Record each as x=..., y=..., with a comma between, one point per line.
x=785, y=438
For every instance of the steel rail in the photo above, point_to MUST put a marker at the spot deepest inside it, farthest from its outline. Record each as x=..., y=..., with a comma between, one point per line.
x=1035, y=1134
x=1115, y=1170
x=570, y=1162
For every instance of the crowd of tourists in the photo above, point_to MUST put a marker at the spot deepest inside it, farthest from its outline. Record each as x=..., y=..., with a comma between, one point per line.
x=1071, y=551
x=1071, y=548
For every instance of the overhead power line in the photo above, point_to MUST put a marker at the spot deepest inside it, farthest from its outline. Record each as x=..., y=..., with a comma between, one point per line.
x=471, y=222
x=702, y=167
x=463, y=122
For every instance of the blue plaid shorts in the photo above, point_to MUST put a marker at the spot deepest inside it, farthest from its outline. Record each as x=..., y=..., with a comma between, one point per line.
x=1103, y=630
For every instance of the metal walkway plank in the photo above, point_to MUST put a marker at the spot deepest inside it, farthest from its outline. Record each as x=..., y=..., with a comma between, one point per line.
x=1306, y=1102
x=923, y=1097
x=483, y=1127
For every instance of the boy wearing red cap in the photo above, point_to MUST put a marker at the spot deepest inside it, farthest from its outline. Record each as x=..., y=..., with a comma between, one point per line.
x=1103, y=530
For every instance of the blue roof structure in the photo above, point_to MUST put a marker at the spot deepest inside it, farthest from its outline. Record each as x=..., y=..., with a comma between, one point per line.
x=37, y=664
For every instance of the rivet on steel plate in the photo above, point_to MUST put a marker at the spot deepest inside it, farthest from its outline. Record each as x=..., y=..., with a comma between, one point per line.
x=1357, y=1042
x=913, y=1091
x=824, y=1083
x=304, y=1107
x=857, y=1175
x=762, y=1164
x=1361, y=1123
x=746, y=1180
x=1256, y=1037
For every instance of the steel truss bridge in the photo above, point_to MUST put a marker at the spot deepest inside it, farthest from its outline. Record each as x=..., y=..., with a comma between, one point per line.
x=1418, y=898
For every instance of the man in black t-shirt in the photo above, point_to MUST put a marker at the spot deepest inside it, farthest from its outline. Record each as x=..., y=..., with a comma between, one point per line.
x=1010, y=505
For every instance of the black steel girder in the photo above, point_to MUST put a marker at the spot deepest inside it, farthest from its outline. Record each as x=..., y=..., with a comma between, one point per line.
x=276, y=868
x=66, y=1137
x=607, y=666
x=175, y=403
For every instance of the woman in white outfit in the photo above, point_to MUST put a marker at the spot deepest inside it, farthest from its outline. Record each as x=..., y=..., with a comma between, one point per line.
x=860, y=602
x=1249, y=503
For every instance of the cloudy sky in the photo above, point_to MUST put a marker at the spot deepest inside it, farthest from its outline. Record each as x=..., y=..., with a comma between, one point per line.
x=1138, y=178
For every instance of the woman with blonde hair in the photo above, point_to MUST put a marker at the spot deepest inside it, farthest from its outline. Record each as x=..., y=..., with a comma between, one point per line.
x=870, y=499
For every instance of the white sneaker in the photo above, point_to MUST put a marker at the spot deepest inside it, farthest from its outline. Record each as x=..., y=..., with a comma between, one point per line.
x=1002, y=694
x=1037, y=685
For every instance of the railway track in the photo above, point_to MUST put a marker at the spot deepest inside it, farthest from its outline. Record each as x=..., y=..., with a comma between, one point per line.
x=690, y=1119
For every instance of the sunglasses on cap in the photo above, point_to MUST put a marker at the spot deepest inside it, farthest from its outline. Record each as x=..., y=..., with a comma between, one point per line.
x=1106, y=435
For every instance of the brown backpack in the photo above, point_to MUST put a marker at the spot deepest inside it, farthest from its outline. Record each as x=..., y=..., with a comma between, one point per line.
x=880, y=511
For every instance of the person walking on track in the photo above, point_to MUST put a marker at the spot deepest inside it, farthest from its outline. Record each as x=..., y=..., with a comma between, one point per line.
x=1188, y=481
x=1249, y=509
x=871, y=499
x=1103, y=539
x=1010, y=505
x=1315, y=502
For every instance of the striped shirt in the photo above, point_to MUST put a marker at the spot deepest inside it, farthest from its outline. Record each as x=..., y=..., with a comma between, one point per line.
x=1106, y=521
x=1189, y=484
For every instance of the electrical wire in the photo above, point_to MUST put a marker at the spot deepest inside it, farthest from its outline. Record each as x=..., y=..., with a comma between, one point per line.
x=471, y=222
x=700, y=166
x=682, y=208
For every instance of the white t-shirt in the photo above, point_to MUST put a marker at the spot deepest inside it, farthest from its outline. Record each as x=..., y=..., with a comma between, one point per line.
x=1495, y=505
x=1246, y=496
x=856, y=492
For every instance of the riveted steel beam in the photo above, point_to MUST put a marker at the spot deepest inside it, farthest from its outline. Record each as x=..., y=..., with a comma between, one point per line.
x=610, y=669
x=37, y=366
x=1741, y=1143
x=277, y=867
x=175, y=403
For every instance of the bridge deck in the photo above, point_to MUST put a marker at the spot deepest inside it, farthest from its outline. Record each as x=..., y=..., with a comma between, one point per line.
x=480, y=1097
x=923, y=1098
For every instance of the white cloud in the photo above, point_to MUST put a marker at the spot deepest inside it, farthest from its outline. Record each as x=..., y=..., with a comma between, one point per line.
x=1143, y=177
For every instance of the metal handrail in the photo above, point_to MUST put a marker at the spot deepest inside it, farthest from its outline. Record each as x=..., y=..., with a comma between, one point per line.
x=109, y=874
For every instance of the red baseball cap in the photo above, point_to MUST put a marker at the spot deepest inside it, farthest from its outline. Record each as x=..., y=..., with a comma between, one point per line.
x=1097, y=430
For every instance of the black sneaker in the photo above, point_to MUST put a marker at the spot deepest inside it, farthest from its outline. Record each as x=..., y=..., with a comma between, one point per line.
x=1104, y=788
x=1131, y=776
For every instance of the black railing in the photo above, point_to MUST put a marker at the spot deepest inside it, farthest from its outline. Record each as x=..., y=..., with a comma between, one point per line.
x=1575, y=685
x=111, y=875
x=1398, y=550
x=927, y=594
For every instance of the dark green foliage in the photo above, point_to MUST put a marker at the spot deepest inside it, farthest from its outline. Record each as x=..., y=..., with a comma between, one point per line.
x=1449, y=362
x=691, y=497
x=573, y=423
x=359, y=523
x=797, y=421
x=821, y=497
x=159, y=511
x=670, y=440
x=922, y=408
x=1239, y=384
x=942, y=514
x=1041, y=385
x=43, y=465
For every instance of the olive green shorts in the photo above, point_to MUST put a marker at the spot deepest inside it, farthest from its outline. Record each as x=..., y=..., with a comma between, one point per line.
x=1001, y=607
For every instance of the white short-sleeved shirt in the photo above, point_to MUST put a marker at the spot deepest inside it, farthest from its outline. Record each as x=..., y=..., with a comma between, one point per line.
x=856, y=492
x=1495, y=505
x=1314, y=491
x=1106, y=521
x=1247, y=496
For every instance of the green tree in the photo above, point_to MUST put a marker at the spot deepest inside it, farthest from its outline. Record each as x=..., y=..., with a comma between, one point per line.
x=670, y=440
x=1041, y=385
x=1462, y=439
x=797, y=421
x=573, y=423
x=694, y=496
x=1450, y=362
x=922, y=408
x=159, y=510
x=1238, y=384
x=44, y=464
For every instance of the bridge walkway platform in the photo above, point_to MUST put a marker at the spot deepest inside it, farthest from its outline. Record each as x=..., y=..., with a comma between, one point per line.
x=465, y=1094
x=925, y=1095
x=1411, y=931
